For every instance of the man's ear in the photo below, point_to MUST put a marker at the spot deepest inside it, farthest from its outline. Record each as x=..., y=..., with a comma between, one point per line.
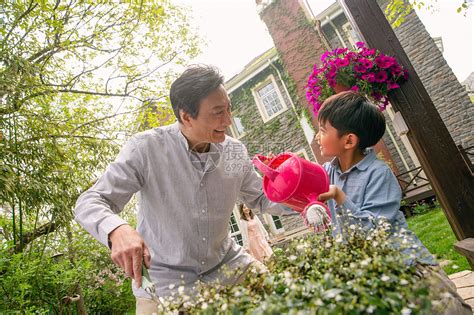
x=351, y=141
x=185, y=118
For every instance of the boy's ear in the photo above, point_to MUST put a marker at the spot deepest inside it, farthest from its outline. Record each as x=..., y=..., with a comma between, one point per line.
x=352, y=141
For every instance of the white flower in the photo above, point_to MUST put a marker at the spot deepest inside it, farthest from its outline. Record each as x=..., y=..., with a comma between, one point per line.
x=224, y=307
x=455, y=266
x=180, y=289
x=370, y=309
x=292, y=258
x=332, y=293
x=403, y=282
x=352, y=227
x=328, y=244
x=204, y=306
x=171, y=286
x=406, y=311
x=319, y=302
x=385, y=278
x=366, y=261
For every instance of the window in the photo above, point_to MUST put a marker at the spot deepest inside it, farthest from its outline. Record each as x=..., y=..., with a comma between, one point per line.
x=269, y=99
x=277, y=222
x=237, y=128
x=235, y=230
x=274, y=223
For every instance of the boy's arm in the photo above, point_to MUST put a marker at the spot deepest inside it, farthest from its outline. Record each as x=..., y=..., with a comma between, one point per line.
x=381, y=199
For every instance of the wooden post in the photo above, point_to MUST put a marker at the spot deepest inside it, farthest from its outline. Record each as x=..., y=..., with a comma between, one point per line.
x=448, y=173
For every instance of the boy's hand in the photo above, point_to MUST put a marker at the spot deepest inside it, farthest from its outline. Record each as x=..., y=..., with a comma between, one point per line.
x=335, y=193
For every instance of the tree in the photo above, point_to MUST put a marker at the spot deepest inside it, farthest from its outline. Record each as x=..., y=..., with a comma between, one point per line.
x=74, y=78
x=66, y=68
x=397, y=10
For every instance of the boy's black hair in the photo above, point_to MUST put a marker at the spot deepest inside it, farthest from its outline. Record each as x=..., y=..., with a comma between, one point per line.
x=192, y=86
x=350, y=112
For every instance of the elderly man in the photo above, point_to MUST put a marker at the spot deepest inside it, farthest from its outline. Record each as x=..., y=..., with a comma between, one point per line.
x=188, y=177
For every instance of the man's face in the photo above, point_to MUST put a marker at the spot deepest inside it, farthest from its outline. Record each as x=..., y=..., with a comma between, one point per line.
x=213, y=118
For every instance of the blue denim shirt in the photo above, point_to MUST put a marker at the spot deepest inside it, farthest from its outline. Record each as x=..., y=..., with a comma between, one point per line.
x=372, y=192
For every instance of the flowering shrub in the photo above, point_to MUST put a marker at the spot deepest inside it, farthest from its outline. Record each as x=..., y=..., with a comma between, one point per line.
x=363, y=70
x=319, y=274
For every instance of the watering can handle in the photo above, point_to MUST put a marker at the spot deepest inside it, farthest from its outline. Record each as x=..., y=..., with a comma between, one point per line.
x=264, y=168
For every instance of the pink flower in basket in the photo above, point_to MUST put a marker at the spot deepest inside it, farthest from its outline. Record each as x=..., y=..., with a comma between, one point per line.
x=363, y=70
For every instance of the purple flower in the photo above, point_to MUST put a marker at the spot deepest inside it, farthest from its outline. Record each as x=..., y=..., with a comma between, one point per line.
x=324, y=56
x=359, y=68
x=369, y=77
x=377, y=96
x=355, y=88
x=405, y=74
x=360, y=44
x=340, y=51
x=341, y=62
x=392, y=85
x=384, y=62
x=368, y=52
x=366, y=63
x=380, y=76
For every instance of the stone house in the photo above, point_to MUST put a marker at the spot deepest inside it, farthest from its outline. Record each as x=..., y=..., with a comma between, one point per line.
x=268, y=96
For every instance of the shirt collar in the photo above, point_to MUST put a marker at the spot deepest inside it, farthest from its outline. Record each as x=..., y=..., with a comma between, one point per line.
x=362, y=165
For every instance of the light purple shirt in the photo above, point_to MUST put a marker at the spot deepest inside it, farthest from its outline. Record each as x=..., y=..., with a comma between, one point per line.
x=185, y=203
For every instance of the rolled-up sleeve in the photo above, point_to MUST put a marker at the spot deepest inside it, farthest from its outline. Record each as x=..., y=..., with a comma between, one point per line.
x=97, y=209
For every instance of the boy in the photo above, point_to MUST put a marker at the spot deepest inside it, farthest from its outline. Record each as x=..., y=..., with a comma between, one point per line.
x=365, y=187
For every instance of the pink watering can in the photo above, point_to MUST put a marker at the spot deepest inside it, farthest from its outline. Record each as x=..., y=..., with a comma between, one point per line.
x=296, y=183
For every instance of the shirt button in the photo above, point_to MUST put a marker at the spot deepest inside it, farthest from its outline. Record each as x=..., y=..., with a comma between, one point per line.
x=203, y=262
x=203, y=238
x=203, y=210
x=201, y=184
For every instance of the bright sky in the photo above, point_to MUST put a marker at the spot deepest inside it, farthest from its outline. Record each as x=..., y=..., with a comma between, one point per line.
x=235, y=34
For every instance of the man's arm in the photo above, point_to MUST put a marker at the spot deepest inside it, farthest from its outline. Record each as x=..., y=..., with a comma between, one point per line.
x=251, y=193
x=97, y=209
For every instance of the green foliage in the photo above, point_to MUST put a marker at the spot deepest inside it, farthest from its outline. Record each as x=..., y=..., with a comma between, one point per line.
x=421, y=208
x=436, y=234
x=397, y=10
x=319, y=274
x=74, y=79
x=37, y=282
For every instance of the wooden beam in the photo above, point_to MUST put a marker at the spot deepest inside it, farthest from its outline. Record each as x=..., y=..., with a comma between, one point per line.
x=447, y=171
x=466, y=248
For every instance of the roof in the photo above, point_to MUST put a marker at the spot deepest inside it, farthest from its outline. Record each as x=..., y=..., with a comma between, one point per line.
x=251, y=69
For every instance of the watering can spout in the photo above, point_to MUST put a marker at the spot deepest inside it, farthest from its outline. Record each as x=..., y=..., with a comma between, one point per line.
x=269, y=172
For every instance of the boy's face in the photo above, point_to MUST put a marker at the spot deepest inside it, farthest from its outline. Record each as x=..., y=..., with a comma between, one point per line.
x=329, y=141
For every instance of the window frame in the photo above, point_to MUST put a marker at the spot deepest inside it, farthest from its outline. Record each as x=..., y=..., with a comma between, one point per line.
x=261, y=107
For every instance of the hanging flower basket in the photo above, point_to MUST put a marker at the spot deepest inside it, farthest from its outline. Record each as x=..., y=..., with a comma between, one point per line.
x=363, y=70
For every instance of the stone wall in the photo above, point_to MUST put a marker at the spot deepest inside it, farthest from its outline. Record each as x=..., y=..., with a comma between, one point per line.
x=447, y=94
x=282, y=133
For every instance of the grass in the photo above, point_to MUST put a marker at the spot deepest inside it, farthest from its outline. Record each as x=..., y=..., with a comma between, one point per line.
x=436, y=234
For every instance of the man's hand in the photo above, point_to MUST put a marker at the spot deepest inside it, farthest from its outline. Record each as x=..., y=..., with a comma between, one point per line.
x=129, y=251
x=335, y=193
